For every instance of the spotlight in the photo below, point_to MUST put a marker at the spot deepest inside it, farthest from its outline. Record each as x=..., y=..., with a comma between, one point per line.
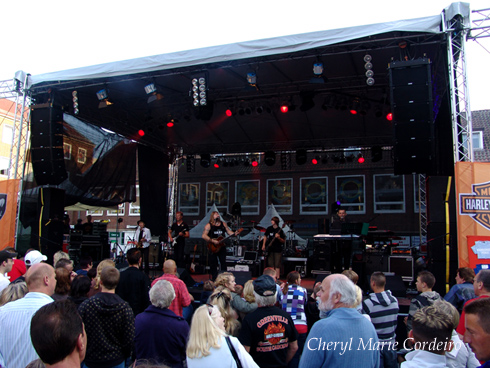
x=241, y=111
x=336, y=158
x=191, y=164
x=217, y=164
x=270, y=158
x=205, y=160
x=248, y=110
x=301, y=156
x=284, y=108
x=342, y=159
x=75, y=102
x=141, y=132
x=360, y=158
x=251, y=78
x=369, y=72
x=354, y=109
x=376, y=153
x=259, y=110
x=150, y=88
x=325, y=159
x=316, y=160
x=246, y=162
x=367, y=58
x=370, y=81
x=103, y=96
x=171, y=123
x=226, y=163
x=198, y=91
x=228, y=113
x=389, y=116
x=318, y=68
x=285, y=161
x=255, y=163
x=350, y=157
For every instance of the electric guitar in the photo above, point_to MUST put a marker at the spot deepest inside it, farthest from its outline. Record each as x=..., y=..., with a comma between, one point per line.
x=193, y=265
x=174, y=243
x=270, y=241
x=214, y=248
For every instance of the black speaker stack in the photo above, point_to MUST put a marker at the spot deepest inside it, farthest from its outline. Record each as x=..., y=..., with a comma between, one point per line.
x=48, y=163
x=413, y=116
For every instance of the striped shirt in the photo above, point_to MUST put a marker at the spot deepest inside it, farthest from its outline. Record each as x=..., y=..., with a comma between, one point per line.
x=16, y=348
x=383, y=310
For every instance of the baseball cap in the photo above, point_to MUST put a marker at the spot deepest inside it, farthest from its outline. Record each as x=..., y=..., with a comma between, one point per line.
x=5, y=254
x=264, y=285
x=33, y=257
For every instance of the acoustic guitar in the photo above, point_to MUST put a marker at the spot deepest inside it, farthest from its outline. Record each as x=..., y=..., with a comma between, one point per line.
x=214, y=248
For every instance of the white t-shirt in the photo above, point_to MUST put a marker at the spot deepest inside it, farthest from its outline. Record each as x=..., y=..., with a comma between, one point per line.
x=4, y=282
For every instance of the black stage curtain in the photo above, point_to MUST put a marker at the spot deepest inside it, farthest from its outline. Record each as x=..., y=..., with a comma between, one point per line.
x=153, y=182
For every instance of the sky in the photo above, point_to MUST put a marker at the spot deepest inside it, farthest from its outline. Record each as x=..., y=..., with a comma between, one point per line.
x=53, y=35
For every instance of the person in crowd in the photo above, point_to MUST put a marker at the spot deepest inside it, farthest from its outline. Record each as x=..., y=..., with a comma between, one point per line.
x=182, y=296
x=33, y=257
x=213, y=231
x=274, y=240
x=86, y=263
x=14, y=291
x=6, y=264
x=143, y=236
x=268, y=333
x=209, y=346
x=222, y=298
x=95, y=288
x=337, y=296
x=66, y=264
x=481, y=286
x=227, y=280
x=341, y=258
x=109, y=322
x=311, y=310
x=460, y=356
x=477, y=333
x=59, y=255
x=208, y=288
x=134, y=284
x=270, y=271
x=19, y=267
x=88, y=227
x=80, y=286
x=294, y=301
x=58, y=335
x=382, y=308
x=15, y=317
x=239, y=290
x=248, y=292
x=431, y=333
x=351, y=275
x=66, y=224
x=79, y=225
x=463, y=290
x=63, y=284
x=149, y=342
x=178, y=232
x=425, y=283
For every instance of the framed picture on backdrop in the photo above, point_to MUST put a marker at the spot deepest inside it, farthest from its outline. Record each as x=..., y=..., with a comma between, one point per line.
x=217, y=193
x=350, y=191
x=313, y=196
x=280, y=194
x=247, y=193
x=389, y=193
x=189, y=198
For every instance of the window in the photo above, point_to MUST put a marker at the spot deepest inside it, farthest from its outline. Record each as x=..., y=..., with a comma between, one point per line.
x=134, y=207
x=350, y=192
x=67, y=151
x=389, y=193
x=95, y=213
x=120, y=211
x=82, y=155
x=8, y=134
x=477, y=141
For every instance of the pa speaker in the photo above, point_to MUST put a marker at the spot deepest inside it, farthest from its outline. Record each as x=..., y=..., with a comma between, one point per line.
x=186, y=277
x=50, y=209
x=48, y=162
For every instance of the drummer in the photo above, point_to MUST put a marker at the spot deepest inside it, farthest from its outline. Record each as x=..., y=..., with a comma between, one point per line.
x=273, y=242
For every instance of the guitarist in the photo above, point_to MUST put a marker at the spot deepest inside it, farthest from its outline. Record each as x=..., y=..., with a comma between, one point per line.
x=273, y=243
x=143, y=236
x=214, y=229
x=181, y=231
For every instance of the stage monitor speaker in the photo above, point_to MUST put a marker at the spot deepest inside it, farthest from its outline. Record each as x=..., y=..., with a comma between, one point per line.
x=241, y=277
x=50, y=210
x=413, y=116
x=186, y=277
x=48, y=163
x=401, y=266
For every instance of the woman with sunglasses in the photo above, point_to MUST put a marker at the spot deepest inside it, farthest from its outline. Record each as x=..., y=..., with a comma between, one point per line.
x=208, y=345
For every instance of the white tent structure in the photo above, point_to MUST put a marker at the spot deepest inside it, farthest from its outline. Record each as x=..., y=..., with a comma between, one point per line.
x=196, y=231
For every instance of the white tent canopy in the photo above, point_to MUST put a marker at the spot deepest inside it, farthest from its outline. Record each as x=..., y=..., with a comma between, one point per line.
x=196, y=231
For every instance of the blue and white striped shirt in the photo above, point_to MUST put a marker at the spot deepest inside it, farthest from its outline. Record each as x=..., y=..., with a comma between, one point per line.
x=16, y=348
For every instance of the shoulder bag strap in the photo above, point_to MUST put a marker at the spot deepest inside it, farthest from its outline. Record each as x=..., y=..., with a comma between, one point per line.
x=233, y=352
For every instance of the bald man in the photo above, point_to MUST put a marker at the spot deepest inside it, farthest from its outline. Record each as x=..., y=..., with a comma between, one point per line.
x=182, y=296
x=16, y=347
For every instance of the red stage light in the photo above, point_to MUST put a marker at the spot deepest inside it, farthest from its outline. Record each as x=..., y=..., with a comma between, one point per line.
x=216, y=165
x=360, y=160
x=141, y=132
x=228, y=112
x=284, y=108
x=255, y=163
x=353, y=112
x=314, y=161
x=389, y=116
x=170, y=124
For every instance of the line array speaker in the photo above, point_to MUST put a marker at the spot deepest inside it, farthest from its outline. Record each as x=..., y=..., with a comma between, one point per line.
x=48, y=162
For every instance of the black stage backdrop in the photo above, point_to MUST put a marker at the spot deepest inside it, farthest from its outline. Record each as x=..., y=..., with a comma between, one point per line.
x=153, y=182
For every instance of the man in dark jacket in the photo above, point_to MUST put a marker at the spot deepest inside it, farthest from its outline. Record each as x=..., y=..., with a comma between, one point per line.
x=161, y=335
x=134, y=284
x=109, y=322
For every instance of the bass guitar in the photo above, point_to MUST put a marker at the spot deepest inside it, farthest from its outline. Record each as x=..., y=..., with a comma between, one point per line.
x=214, y=248
x=269, y=242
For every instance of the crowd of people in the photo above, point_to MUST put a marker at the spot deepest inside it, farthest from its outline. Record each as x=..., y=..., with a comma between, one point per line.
x=97, y=317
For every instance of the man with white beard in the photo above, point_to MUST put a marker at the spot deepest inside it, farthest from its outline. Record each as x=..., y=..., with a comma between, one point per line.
x=344, y=338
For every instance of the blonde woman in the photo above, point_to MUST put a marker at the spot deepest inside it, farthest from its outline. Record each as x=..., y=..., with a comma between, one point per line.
x=14, y=291
x=103, y=264
x=227, y=280
x=207, y=345
x=222, y=299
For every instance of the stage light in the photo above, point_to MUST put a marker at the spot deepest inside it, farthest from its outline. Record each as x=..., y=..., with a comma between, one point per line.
x=318, y=68
x=246, y=162
x=103, y=96
x=191, y=164
x=255, y=162
x=248, y=110
x=150, y=88
x=369, y=72
x=370, y=81
x=350, y=157
x=171, y=123
x=217, y=164
x=318, y=71
x=301, y=156
x=198, y=90
x=259, y=110
x=75, y=102
x=389, y=116
x=141, y=132
x=365, y=106
x=284, y=108
x=360, y=158
x=226, y=163
x=342, y=159
x=285, y=161
x=315, y=160
x=376, y=153
x=251, y=78
x=241, y=111
x=270, y=158
x=354, y=109
x=367, y=58
x=205, y=160
x=325, y=159
x=228, y=112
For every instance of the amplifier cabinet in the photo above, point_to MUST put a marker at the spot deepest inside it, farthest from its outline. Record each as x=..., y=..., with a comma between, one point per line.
x=401, y=266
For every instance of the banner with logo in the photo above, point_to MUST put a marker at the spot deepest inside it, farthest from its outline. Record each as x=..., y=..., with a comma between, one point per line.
x=8, y=211
x=473, y=202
